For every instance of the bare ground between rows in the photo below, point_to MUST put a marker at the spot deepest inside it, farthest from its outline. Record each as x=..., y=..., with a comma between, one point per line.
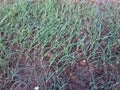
x=28, y=70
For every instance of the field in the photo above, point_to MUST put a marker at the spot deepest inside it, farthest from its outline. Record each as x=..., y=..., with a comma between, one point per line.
x=53, y=46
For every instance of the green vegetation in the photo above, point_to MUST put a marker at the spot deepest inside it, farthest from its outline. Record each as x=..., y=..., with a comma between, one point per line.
x=59, y=36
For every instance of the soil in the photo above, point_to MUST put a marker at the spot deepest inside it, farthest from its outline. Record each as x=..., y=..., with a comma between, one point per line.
x=28, y=70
